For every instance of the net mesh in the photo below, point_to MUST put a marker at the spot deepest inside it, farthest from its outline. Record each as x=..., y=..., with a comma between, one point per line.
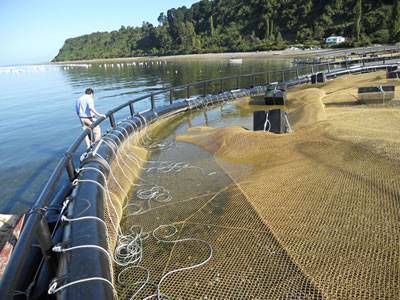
x=308, y=215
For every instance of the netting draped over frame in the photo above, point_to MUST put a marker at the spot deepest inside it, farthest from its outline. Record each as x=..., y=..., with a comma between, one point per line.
x=308, y=215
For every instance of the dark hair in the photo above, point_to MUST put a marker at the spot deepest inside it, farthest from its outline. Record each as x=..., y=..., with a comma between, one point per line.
x=89, y=91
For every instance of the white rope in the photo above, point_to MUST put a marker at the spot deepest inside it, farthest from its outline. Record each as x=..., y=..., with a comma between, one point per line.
x=60, y=249
x=68, y=220
x=267, y=122
x=116, y=156
x=112, y=175
x=164, y=240
x=129, y=248
x=141, y=211
x=53, y=288
x=156, y=193
x=143, y=283
x=105, y=190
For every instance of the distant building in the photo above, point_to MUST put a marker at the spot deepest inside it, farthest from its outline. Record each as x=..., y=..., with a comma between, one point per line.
x=334, y=40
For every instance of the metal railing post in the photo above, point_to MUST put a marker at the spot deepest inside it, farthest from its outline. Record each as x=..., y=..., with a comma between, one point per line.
x=188, y=91
x=283, y=75
x=153, y=105
x=112, y=120
x=254, y=80
x=204, y=88
x=297, y=72
x=91, y=135
x=69, y=165
x=329, y=67
x=238, y=82
x=44, y=239
x=131, y=109
x=171, y=95
x=220, y=85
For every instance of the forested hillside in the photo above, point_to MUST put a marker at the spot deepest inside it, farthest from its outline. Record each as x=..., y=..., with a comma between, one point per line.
x=244, y=25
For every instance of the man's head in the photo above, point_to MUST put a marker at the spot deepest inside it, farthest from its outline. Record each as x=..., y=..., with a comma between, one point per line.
x=89, y=92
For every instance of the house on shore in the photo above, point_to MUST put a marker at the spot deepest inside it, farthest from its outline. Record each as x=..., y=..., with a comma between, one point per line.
x=335, y=40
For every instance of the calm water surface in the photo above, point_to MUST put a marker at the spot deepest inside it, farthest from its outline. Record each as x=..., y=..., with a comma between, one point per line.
x=38, y=120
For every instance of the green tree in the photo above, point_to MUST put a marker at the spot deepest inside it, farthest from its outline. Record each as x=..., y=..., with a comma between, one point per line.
x=279, y=40
x=237, y=25
x=211, y=22
x=357, y=20
x=395, y=30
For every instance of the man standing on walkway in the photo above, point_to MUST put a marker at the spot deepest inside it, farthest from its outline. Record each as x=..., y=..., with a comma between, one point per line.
x=86, y=112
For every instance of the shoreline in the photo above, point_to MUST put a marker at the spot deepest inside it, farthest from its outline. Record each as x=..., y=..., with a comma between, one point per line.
x=225, y=55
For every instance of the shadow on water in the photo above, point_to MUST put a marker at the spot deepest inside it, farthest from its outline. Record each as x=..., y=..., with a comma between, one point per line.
x=22, y=186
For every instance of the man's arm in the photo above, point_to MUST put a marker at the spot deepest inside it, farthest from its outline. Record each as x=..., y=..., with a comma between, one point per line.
x=93, y=110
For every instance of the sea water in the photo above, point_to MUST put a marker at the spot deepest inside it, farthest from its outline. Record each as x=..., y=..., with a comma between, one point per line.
x=38, y=121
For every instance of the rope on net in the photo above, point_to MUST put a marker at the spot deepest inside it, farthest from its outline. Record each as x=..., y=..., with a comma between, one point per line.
x=129, y=250
x=163, y=166
x=166, y=239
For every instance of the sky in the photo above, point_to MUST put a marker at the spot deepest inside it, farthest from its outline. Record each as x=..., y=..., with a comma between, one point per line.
x=32, y=31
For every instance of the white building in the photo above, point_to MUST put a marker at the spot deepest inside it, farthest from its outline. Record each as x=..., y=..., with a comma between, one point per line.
x=334, y=40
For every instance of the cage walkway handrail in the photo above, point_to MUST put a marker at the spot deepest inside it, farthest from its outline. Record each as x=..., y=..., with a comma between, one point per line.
x=109, y=115
x=66, y=163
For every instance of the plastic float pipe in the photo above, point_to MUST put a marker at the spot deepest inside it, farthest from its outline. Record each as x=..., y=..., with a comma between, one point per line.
x=89, y=200
x=75, y=267
x=16, y=278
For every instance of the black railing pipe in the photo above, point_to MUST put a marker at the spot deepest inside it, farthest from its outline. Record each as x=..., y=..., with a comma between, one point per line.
x=131, y=109
x=13, y=275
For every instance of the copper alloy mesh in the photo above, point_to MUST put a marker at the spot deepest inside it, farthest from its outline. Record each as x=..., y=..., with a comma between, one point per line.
x=329, y=192
x=248, y=262
x=309, y=215
x=123, y=174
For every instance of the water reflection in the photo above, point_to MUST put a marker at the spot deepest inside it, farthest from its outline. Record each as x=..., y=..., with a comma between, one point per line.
x=38, y=120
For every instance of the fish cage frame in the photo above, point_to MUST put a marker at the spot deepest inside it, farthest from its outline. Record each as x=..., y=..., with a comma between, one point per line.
x=32, y=268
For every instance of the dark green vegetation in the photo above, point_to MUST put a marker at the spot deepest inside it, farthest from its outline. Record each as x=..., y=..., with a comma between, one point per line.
x=244, y=25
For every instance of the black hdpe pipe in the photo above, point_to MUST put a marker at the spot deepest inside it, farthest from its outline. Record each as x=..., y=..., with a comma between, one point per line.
x=74, y=267
x=15, y=279
x=89, y=200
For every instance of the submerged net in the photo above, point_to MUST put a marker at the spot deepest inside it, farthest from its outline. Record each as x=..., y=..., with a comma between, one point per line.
x=252, y=215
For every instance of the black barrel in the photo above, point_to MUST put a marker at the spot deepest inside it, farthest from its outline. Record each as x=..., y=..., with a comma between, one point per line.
x=275, y=120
